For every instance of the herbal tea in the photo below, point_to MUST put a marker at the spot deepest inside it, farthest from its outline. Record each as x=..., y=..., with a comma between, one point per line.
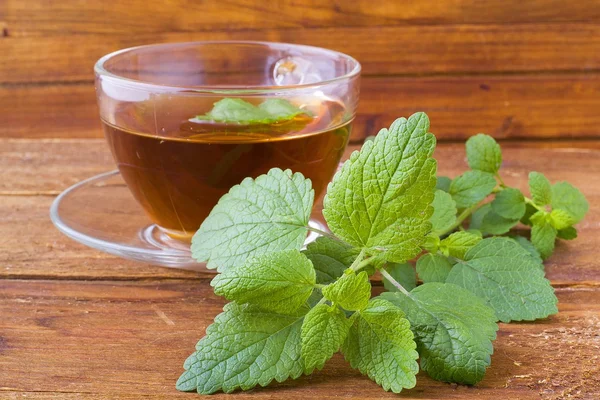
x=179, y=173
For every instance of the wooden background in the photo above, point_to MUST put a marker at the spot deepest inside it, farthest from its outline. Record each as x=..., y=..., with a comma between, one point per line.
x=510, y=68
x=76, y=323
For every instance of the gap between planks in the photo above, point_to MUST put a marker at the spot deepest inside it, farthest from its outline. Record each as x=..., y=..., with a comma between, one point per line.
x=204, y=277
x=434, y=74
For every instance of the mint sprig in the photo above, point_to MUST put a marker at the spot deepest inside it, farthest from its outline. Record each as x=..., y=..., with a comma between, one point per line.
x=291, y=308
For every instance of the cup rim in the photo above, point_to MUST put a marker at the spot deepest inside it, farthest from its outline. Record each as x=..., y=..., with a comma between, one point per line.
x=230, y=89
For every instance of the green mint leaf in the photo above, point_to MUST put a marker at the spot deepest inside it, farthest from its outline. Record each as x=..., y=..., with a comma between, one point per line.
x=280, y=109
x=258, y=216
x=478, y=216
x=433, y=268
x=486, y=220
x=238, y=111
x=533, y=252
x=443, y=183
x=540, y=218
x=530, y=210
x=483, y=153
x=495, y=224
x=502, y=273
x=324, y=330
x=543, y=237
x=352, y=291
x=569, y=233
x=330, y=258
x=471, y=187
x=458, y=243
x=444, y=212
x=475, y=232
x=381, y=345
x=509, y=203
x=245, y=347
x=432, y=243
x=540, y=188
x=568, y=198
x=280, y=281
x=403, y=273
x=381, y=198
x=561, y=219
x=453, y=328
x=231, y=110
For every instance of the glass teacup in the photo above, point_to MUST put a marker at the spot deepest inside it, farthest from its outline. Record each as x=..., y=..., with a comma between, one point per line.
x=187, y=121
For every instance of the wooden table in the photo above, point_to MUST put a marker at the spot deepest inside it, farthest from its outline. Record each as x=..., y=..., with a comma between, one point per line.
x=76, y=323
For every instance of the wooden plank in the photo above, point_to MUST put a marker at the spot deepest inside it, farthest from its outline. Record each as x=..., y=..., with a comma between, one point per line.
x=119, y=338
x=19, y=395
x=520, y=106
x=39, y=17
x=399, y=50
x=32, y=172
x=540, y=106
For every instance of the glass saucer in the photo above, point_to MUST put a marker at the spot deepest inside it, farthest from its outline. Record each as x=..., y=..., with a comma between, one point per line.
x=100, y=212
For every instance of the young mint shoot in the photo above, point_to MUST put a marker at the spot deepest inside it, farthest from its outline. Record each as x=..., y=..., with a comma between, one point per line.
x=291, y=309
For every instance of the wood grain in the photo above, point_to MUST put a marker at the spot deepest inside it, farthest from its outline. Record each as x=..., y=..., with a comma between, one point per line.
x=397, y=50
x=39, y=17
x=538, y=106
x=119, y=338
x=33, y=172
x=521, y=106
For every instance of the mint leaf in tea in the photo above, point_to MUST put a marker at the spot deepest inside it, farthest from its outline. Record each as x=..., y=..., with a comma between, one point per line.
x=242, y=112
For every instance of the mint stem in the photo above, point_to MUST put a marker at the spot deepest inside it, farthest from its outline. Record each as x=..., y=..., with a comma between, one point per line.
x=363, y=264
x=500, y=180
x=355, y=265
x=394, y=282
x=531, y=203
x=322, y=301
x=460, y=219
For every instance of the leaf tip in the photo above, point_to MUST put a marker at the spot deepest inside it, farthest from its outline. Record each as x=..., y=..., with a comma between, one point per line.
x=186, y=382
